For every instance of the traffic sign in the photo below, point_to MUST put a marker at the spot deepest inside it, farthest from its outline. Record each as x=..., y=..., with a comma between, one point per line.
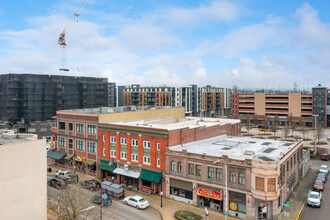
x=287, y=205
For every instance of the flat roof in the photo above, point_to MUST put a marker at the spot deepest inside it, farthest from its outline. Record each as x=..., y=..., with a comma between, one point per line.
x=107, y=110
x=177, y=123
x=239, y=148
x=9, y=137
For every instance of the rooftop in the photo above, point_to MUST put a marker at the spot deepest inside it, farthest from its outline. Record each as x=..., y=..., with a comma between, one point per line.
x=177, y=123
x=107, y=110
x=8, y=137
x=239, y=148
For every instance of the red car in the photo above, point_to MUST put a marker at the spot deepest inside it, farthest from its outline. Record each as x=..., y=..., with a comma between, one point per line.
x=325, y=156
x=319, y=185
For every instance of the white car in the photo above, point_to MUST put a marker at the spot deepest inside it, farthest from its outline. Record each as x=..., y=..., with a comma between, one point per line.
x=324, y=169
x=136, y=201
x=314, y=198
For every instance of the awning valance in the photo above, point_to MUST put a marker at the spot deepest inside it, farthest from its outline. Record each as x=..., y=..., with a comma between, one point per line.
x=68, y=157
x=106, y=165
x=128, y=173
x=90, y=162
x=57, y=155
x=150, y=176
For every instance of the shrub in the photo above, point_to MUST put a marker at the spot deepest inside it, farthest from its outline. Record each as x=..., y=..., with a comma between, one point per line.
x=184, y=214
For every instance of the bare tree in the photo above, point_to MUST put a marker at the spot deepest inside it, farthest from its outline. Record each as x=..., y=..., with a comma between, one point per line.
x=293, y=125
x=275, y=126
x=255, y=120
x=286, y=131
x=320, y=133
x=302, y=129
x=248, y=124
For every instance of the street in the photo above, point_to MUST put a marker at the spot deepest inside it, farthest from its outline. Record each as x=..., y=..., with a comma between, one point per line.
x=117, y=210
x=323, y=212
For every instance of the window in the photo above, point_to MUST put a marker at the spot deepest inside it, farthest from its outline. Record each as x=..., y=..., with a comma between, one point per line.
x=70, y=126
x=91, y=129
x=241, y=178
x=198, y=170
x=135, y=142
x=179, y=167
x=123, y=141
x=271, y=184
x=158, y=146
x=191, y=169
x=260, y=183
x=210, y=172
x=173, y=165
x=294, y=159
x=113, y=153
x=80, y=128
x=61, y=125
x=113, y=139
x=158, y=162
x=146, y=144
x=103, y=149
x=135, y=157
x=291, y=162
x=70, y=143
x=219, y=173
x=80, y=145
x=232, y=177
x=287, y=165
x=91, y=147
x=61, y=142
x=103, y=138
x=146, y=159
x=123, y=155
x=146, y=183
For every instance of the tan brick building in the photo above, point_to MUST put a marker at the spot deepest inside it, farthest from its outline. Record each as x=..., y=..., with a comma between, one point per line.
x=260, y=174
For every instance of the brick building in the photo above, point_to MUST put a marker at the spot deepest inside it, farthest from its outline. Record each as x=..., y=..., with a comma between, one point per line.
x=294, y=107
x=133, y=152
x=260, y=174
x=76, y=132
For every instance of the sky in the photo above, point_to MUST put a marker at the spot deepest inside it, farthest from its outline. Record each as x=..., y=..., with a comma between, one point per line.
x=254, y=44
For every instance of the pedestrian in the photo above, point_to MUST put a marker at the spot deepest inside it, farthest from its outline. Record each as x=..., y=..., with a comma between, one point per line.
x=77, y=179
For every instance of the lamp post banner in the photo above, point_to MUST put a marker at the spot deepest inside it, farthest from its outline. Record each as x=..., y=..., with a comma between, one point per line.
x=209, y=193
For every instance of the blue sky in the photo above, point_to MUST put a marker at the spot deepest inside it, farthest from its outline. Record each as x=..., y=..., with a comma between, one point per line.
x=249, y=43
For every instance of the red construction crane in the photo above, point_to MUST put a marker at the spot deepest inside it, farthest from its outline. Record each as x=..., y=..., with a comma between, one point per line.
x=61, y=39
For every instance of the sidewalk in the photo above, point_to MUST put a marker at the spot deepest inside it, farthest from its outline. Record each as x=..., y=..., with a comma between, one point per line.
x=298, y=198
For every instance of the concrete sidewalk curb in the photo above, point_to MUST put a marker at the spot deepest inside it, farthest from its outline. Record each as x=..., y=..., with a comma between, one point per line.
x=301, y=210
x=160, y=214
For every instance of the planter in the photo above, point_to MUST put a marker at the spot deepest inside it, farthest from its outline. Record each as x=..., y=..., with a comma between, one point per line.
x=187, y=215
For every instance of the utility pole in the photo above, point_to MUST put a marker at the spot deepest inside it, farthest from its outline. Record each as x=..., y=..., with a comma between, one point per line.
x=161, y=190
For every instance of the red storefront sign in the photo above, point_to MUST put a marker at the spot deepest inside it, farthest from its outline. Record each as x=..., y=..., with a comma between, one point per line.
x=209, y=193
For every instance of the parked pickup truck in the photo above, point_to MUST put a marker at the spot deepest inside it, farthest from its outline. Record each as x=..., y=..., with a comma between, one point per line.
x=314, y=198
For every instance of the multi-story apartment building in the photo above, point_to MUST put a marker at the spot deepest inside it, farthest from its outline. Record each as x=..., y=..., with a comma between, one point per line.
x=251, y=177
x=287, y=106
x=320, y=105
x=133, y=152
x=198, y=101
x=33, y=97
x=77, y=136
x=112, y=95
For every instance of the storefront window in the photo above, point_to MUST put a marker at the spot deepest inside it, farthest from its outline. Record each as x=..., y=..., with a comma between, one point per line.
x=92, y=168
x=237, y=202
x=179, y=167
x=219, y=173
x=211, y=172
x=146, y=183
x=232, y=177
x=61, y=161
x=191, y=169
x=241, y=178
x=181, y=193
x=172, y=165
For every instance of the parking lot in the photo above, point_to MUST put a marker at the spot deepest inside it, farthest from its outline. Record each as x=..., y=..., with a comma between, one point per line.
x=323, y=212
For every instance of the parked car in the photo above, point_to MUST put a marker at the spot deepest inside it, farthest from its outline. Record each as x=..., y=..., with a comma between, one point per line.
x=104, y=199
x=137, y=202
x=319, y=185
x=314, y=198
x=66, y=178
x=322, y=176
x=56, y=183
x=325, y=155
x=60, y=173
x=112, y=189
x=324, y=169
x=90, y=184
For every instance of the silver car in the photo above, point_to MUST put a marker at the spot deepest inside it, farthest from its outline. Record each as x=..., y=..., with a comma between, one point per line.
x=136, y=201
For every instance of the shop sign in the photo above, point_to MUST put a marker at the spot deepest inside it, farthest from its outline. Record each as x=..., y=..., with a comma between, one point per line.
x=233, y=206
x=78, y=158
x=209, y=193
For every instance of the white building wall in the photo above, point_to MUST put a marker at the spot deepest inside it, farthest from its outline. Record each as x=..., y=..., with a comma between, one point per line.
x=23, y=180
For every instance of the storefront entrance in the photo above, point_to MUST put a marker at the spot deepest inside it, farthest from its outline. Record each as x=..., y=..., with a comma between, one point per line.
x=209, y=198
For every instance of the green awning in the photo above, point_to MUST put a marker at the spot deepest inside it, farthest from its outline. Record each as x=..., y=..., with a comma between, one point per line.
x=68, y=157
x=106, y=165
x=150, y=176
x=57, y=155
x=90, y=162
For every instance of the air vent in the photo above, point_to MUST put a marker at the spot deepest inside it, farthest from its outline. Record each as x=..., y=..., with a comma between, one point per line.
x=287, y=144
x=226, y=148
x=266, y=143
x=268, y=150
x=252, y=142
x=266, y=159
x=249, y=152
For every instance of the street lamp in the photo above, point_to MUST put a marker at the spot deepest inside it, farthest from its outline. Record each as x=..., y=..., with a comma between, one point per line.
x=226, y=185
x=161, y=190
x=315, y=152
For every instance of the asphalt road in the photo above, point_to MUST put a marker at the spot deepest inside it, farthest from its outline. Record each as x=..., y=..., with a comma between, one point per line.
x=323, y=212
x=117, y=210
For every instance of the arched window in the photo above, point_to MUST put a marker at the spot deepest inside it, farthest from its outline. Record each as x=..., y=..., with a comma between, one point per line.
x=179, y=167
x=172, y=165
x=232, y=177
x=241, y=178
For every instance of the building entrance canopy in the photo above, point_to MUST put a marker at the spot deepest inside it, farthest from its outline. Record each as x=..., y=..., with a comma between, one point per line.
x=54, y=154
x=128, y=173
